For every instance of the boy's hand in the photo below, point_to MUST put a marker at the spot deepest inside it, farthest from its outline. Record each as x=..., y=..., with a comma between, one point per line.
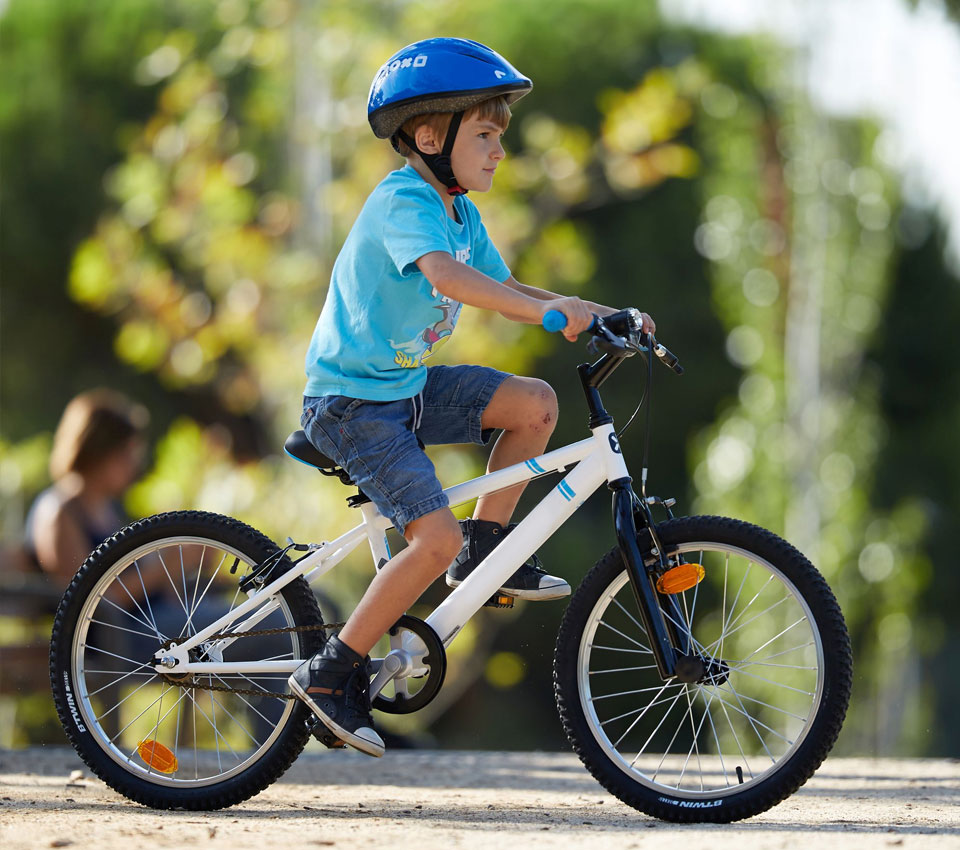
x=578, y=313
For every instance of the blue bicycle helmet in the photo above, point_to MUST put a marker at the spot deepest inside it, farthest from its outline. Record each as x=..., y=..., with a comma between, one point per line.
x=439, y=75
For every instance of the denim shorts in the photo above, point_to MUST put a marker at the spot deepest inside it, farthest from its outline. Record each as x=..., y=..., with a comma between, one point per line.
x=376, y=442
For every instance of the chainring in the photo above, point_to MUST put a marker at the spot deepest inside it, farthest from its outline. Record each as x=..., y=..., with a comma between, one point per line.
x=435, y=659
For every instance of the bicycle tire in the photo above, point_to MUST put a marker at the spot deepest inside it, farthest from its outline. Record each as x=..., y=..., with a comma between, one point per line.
x=285, y=728
x=817, y=673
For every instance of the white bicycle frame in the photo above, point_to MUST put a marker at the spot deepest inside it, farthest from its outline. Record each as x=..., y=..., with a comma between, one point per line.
x=597, y=460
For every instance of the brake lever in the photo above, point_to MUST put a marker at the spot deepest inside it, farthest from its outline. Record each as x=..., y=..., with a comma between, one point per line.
x=606, y=341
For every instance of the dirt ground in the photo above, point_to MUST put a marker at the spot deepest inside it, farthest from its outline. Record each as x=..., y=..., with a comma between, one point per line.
x=472, y=800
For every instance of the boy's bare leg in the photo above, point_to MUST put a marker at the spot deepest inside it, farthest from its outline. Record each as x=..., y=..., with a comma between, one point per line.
x=526, y=408
x=434, y=541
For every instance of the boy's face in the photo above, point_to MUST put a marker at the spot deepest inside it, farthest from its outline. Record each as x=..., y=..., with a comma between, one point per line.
x=476, y=153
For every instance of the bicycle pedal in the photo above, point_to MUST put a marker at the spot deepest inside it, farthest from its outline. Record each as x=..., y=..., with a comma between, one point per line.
x=499, y=600
x=326, y=737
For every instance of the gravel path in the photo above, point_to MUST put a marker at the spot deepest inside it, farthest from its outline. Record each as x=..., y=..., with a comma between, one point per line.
x=472, y=800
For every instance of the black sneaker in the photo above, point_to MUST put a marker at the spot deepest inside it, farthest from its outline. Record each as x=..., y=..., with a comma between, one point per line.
x=335, y=684
x=480, y=538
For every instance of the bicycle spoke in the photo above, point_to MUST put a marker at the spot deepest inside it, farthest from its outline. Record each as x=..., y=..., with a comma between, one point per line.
x=213, y=711
x=114, y=655
x=622, y=669
x=629, y=615
x=741, y=665
x=781, y=634
x=635, y=710
x=87, y=672
x=774, y=708
x=736, y=737
x=693, y=746
x=146, y=598
x=216, y=572
x=666, y=751
x=773, y=682
x=183, y=577
x=666, y=714
x=117, y=705
x=122, y=629
x=196, y=587
x=716, y=739
x=746, y=607
x=639, y=717
x=172, y=583
x=754, y=722
x=612, y=629
x=152, y=625
x=777, y=654
x=756, y=616
x=619, y=649
x=234, y=719
x=216, y=731
x=131, y=616
x=243, y=699
x=627, y=693
x=736, y=598
x=135, y=719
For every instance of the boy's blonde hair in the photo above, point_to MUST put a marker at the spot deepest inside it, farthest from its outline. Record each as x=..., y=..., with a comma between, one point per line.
x=495, y=109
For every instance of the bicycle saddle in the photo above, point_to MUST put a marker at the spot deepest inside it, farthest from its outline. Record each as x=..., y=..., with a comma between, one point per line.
x=300, y=448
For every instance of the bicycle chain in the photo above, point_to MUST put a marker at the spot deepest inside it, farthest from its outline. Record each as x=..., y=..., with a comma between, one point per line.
x=258, y=633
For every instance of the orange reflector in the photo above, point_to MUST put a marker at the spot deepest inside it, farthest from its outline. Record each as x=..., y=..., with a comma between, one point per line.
x=157, y=756
x=679, y=578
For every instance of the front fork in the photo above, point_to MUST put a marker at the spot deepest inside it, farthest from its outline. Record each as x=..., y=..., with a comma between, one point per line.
x=664, y=638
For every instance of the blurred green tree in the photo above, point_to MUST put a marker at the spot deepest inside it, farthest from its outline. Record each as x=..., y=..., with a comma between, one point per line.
x=217, y=155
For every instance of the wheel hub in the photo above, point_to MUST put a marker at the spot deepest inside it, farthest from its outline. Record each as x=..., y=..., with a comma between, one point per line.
x=703, y=671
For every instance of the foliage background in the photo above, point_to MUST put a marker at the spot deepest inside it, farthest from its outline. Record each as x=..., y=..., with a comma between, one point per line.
x=177, y=178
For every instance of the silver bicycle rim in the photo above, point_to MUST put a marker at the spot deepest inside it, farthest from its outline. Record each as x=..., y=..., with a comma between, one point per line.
x=238, y=724
x=721, y=738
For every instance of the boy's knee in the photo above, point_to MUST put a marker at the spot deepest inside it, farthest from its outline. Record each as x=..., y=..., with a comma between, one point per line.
x=543, y=407
x=436, y=535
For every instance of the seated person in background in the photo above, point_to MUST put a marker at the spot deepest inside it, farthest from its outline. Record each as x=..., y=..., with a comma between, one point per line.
x=97, y=454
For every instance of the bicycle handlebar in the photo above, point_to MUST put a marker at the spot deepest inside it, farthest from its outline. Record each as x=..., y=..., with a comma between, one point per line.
x=606, y=340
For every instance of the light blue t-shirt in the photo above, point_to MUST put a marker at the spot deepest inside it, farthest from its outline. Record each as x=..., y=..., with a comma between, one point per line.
x=382, y=318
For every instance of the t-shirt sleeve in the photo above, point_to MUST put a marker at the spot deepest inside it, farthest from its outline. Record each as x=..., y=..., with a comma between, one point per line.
x=485, y=257
x=412, y=227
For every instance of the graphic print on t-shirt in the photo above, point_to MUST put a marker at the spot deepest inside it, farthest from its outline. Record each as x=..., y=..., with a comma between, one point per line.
x=410, y=354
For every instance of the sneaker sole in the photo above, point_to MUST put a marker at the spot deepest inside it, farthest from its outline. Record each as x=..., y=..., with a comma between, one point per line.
x=361, y=744
x=545, y=594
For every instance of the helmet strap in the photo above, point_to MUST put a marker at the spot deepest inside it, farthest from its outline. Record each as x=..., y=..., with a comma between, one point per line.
x=439, y=163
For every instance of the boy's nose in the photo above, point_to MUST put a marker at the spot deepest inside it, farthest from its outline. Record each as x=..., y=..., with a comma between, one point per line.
x=498, y=153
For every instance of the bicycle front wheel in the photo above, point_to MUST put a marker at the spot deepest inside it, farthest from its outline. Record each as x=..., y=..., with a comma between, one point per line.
x=169, y=741
x=764, y=713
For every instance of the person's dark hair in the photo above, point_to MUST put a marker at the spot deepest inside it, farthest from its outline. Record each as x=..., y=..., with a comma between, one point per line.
x=94, y=424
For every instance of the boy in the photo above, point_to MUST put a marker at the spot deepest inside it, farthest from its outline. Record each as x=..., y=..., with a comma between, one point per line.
x=417, y=252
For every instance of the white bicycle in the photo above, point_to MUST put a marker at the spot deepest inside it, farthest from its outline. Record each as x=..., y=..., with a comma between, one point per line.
x=702, y=668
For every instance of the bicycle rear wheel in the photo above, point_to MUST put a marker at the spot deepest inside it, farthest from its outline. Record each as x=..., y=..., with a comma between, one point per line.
x=162, y=741
x=770, y=701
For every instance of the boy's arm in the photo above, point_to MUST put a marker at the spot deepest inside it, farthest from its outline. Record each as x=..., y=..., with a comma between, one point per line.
x=648, y=325
x=465, y=284
x=547, y=295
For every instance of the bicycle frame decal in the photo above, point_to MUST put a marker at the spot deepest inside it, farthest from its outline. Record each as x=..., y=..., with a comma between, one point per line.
x=595, y=462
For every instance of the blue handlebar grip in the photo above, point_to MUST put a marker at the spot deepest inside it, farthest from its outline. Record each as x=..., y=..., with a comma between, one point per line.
x=554, y=320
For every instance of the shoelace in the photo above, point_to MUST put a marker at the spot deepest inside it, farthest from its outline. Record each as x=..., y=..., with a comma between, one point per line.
x=357, y=692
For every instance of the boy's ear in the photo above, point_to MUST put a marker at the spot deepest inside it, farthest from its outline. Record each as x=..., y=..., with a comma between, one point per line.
x=426, y=139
